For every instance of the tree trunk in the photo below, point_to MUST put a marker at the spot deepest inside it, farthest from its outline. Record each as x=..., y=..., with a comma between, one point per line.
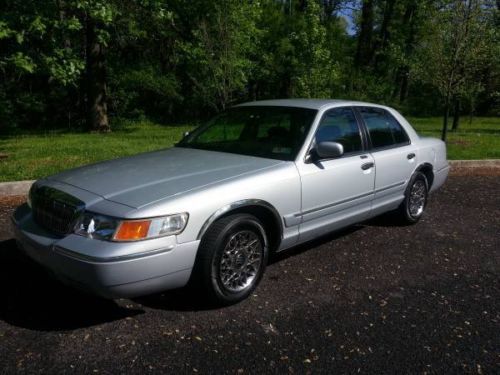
x=384, y=30
x=445, y=119
x=409, y=20
x=471, y=108
x=383, y=39
x=456, y=115
x=97, y=106
x=364, y=50
x=401, y=84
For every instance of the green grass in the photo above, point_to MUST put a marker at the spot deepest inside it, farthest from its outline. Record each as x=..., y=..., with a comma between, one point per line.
x=31, y=156
x=34, y=155
x=477, y=140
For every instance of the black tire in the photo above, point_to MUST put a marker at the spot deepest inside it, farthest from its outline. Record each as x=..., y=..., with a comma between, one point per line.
x=216, y=244
x=409, y=212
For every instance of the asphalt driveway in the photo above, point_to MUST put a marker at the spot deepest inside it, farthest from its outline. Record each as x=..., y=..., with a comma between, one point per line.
x=374, y=298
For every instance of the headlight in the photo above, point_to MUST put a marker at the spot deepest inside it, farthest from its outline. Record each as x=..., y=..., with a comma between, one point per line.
x=110, y=229
x=96, y=226
x=29, y=199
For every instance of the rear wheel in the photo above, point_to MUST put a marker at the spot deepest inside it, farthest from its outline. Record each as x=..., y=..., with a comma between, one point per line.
x=232, y=258
x=413, y=206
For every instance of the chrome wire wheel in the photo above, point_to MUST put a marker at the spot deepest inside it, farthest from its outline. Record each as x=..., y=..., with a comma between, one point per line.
x=240, y=261
x=417, y=198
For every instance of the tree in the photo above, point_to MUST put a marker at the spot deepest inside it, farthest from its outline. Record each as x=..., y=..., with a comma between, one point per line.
x=85, y=63
x=36, y=61
x=456, y=46
x=364, y=51
x=315, y=71
x=218, y=55
x=296, y=60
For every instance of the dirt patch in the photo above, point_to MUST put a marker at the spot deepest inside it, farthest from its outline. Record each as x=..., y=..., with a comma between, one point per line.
x=7, y=207
x=475, y=171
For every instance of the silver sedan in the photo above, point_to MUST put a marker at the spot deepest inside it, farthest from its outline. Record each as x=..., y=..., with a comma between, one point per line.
x=259, y=178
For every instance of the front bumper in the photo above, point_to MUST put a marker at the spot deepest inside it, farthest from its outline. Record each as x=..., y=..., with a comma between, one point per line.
x=108, y=269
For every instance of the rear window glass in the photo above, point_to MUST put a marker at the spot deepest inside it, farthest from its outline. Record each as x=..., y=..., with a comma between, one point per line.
x=384, y=129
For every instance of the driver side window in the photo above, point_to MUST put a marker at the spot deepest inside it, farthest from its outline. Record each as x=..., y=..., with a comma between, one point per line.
x=340, y=125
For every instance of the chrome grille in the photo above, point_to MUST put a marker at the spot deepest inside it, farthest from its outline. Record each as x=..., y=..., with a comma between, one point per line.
x=54, y=210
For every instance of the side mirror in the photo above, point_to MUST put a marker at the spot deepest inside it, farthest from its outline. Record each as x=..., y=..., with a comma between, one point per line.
x=184, y=136
x=329, y=150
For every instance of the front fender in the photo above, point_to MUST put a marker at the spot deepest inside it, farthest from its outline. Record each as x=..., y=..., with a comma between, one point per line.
x=237, y=205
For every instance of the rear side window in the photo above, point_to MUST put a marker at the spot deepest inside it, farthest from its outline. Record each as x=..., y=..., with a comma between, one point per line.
x=340, y=125
x=384, y=129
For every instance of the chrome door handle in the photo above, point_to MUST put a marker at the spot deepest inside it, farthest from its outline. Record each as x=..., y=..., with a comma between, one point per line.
x=366, y=166
x=410, y=156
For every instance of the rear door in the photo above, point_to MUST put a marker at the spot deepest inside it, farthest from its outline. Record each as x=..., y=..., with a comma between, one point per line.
x=394, y=156
x=336, y=192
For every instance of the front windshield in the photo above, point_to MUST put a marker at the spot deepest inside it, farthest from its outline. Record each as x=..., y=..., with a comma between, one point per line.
x=263, y=131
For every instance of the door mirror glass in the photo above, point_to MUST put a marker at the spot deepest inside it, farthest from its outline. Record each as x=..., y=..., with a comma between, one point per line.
x=328, y=150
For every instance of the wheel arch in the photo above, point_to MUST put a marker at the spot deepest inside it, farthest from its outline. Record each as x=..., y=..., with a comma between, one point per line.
x=262, y=210
x=428, y=171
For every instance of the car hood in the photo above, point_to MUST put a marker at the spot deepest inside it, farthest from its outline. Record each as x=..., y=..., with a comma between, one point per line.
x=145, y=178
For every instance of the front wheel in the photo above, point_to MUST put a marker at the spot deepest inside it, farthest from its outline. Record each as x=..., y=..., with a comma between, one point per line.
x=232, y=258
x=413, y=206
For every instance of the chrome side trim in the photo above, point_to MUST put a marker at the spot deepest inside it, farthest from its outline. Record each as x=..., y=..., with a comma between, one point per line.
x=390, y=186
x=330, y=205
x=243, y=203
x=89, y=258
x=292, y=220
x=334, y=204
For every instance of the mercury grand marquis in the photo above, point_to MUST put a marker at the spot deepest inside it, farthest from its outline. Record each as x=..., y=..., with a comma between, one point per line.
x=259, y=178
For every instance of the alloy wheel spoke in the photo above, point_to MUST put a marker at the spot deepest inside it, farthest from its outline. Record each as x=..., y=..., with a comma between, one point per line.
x=240, y=261
x=417, y=198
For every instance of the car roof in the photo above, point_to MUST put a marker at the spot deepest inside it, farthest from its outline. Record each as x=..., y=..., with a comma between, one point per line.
x=305, y=103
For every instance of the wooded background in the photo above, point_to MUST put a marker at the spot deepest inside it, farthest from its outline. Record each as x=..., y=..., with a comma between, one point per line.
x=83, y=63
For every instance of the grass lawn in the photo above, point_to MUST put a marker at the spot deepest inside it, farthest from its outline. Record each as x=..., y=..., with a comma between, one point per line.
x=31, y=156
x=478, y=140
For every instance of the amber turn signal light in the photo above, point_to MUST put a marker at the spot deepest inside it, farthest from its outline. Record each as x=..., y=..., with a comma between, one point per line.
x=132, y=230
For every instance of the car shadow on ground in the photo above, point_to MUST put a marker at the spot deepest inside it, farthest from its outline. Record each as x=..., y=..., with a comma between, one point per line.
x=32, y=299
x=191, y=299
x=188, y=299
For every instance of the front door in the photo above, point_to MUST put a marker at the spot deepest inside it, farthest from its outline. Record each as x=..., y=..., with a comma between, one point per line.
x=336, y=192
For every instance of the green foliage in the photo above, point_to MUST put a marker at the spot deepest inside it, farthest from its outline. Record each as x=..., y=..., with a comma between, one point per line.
x=218, y=56
x=456, y=48
x=174, y=59
x=21, y=62
x=313, y=65
x=64, y=66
